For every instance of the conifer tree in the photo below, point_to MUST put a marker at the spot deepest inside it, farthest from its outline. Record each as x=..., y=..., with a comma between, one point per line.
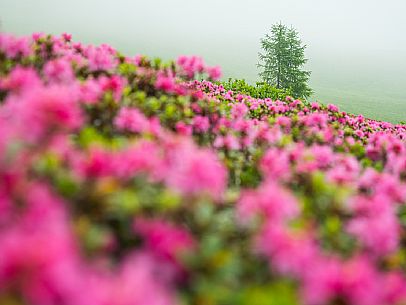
x=282, y=61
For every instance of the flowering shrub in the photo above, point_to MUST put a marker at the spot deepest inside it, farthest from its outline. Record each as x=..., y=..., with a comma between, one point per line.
x=260, y=90
x=125, y=180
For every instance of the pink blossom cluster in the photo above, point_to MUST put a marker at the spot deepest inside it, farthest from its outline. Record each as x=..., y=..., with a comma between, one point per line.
x=114, y=174
x=373, y=198
x=15, y=46
x=193, y=65
x=41, y=260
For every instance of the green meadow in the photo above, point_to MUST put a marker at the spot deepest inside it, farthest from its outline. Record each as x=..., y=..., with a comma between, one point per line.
x=383, y=107
x=373, y=88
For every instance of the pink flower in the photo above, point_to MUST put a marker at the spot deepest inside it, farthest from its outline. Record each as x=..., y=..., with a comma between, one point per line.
x=272, y=201
x=191, y=65
x=283, y=121
x=394, y=288
x=291, y=254
x=214, y=72
x=59, y=71
x=183, y=129
x=15, y=46
x=66, y=36
x=275, y=165
x=20, y=79
x=345, y=170
x=323, y=155
x=131, y=119
x=322, y=282
x=115, y=84
x=238, y=110
x=332, y=108
x=362, y=284
x=315, y=119
x=379, y=234
x=375, y=224
x=90, y=91
x=231, y=142
x=39, y=270
x=165, y=82
x=38, y=35
x=101, y=58
x=164, y=239
x=315, y=105
x=143, y=157
x=194, y=171
x=97, y=163
x=138, y=281
x=201, y=123
x=45, y=110
x=359, y=133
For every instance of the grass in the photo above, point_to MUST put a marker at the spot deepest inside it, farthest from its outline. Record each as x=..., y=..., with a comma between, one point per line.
x=370, y=104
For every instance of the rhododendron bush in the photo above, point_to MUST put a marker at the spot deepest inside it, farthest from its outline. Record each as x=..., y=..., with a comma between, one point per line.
x=126, y=180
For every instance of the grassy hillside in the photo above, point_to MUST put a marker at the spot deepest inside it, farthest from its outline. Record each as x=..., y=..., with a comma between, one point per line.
x=385, y=107
x=360, y=84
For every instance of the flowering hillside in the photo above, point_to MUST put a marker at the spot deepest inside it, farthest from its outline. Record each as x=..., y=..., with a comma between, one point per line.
x=129, y=181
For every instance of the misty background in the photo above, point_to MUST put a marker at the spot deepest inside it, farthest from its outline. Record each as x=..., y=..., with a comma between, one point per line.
x=356, y=49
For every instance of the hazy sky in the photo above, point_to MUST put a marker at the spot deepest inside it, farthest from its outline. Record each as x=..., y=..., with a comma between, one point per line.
x=352, y=44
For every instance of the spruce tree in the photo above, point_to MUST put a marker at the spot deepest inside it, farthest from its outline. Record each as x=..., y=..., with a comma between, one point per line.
x=282, y=61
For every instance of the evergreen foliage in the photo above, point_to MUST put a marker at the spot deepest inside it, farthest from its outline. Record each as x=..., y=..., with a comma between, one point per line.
x=282, y=61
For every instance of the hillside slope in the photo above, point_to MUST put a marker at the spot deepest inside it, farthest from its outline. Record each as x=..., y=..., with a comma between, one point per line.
x=125, y=180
